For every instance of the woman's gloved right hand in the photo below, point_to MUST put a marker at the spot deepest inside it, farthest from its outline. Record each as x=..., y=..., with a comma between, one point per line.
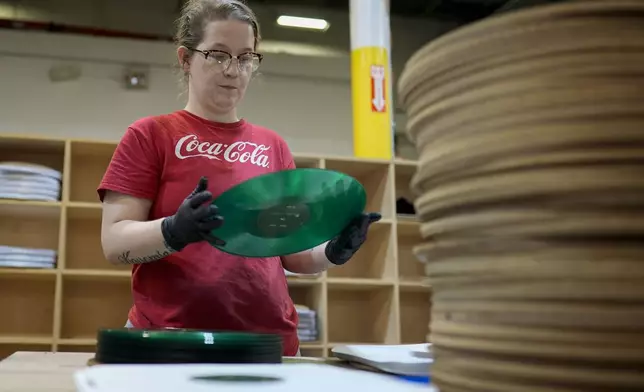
x=194, y=220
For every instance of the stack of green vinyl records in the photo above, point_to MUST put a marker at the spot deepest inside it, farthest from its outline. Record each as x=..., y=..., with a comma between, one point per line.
x=132, y=346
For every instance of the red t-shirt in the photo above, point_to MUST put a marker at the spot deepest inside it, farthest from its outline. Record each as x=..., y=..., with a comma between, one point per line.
x=161, y=158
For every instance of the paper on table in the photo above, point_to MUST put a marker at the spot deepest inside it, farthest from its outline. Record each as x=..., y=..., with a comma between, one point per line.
x=289, y=378
x=403, y=359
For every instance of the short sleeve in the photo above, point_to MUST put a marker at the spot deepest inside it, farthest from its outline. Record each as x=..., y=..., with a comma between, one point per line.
x=135, y=167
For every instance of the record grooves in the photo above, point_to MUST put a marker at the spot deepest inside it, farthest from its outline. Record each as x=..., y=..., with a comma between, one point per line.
x=286, y=212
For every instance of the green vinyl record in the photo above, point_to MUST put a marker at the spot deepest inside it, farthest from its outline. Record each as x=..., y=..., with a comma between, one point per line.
x=286, y=212
x=186, y=346
x=184, y=338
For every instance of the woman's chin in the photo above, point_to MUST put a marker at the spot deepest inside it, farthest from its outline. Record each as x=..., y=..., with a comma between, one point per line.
x=224, y=105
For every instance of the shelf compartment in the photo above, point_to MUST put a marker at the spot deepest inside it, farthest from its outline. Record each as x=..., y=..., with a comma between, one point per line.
x=374, y=260
x=9, y=349
x=410, y=269
x=31, y=208
x=312, y=352
x=307, y=295
x=83, y=247
x=422, y=286
x=374, y=176
x=50, y=153
x=89, y=161
x=27, y=306
x=30, y=224
x=361, y=315
x=21, y=273
x=358, y=283
x=311, y=296
x=90, y=304
x=304, y=161
x=415, y=315
x=404, y=172
x=303, y=280
x=99, y=274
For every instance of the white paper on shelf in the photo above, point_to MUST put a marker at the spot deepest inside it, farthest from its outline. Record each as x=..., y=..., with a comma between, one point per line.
x=21, y=177
x=29, y=168
x=291, y=378
x=29, y=181
x=25, y=264
x=28, y=187
x=403, y=359
x=28, y=258
x=41, y=196
x=4, y=250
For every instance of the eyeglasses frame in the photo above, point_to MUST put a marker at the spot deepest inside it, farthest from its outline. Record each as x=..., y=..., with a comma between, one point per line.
x=208, y=52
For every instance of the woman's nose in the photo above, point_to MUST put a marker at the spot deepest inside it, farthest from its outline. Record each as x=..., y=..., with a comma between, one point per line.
x=233, y=69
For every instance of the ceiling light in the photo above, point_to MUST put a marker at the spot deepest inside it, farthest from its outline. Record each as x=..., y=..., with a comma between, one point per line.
x=303, y=23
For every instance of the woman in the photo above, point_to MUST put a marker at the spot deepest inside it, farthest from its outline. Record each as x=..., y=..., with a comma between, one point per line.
x=165, y=171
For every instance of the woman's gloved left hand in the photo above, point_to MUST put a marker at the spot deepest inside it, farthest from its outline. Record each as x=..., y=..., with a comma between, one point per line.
x=340, y=249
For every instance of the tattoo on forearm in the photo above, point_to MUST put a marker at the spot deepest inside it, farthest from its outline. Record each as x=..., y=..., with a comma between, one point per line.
x=125, y=258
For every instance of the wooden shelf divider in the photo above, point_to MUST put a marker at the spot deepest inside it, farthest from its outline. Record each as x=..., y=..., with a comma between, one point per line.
x=380, y=297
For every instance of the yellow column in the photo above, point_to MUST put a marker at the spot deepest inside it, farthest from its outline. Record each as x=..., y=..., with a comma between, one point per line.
x=371, y=79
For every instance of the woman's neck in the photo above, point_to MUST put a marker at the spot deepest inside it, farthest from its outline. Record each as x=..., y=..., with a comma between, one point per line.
x=198, y=110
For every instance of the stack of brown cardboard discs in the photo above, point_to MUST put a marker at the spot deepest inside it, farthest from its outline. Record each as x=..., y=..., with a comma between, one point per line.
x=530, y=191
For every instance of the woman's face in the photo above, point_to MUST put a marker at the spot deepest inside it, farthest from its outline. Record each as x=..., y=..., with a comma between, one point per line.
x=219, y=88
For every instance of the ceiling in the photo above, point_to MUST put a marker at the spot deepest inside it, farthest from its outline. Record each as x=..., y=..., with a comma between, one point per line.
x=457, y=10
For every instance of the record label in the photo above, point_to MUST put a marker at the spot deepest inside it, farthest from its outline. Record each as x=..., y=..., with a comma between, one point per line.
x=236, y=378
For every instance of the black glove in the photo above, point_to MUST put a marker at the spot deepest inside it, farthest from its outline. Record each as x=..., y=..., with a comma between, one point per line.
x=194, y=220
x=340, y=249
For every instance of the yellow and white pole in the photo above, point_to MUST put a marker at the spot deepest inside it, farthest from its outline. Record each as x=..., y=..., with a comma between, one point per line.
x=371, y=79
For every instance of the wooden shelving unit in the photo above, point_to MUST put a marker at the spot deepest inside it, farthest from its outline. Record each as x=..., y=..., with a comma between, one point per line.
x=379, y=297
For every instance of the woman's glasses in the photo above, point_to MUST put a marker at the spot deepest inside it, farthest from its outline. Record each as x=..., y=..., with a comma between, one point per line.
x=246, y=62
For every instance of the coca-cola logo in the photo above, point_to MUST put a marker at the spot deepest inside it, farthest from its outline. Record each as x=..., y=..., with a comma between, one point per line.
x=244, y=152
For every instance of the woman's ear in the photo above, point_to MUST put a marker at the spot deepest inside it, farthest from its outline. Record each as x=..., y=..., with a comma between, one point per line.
x=183, y=56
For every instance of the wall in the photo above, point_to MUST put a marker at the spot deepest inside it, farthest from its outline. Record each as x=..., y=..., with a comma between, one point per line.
x=303, y=91
x=309, y=105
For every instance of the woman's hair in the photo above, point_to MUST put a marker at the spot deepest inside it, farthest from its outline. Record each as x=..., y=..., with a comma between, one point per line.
x=196, y=14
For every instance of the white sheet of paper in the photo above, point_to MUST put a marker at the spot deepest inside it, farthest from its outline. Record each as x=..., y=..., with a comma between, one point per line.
x=292, y=378
x=406, y=359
